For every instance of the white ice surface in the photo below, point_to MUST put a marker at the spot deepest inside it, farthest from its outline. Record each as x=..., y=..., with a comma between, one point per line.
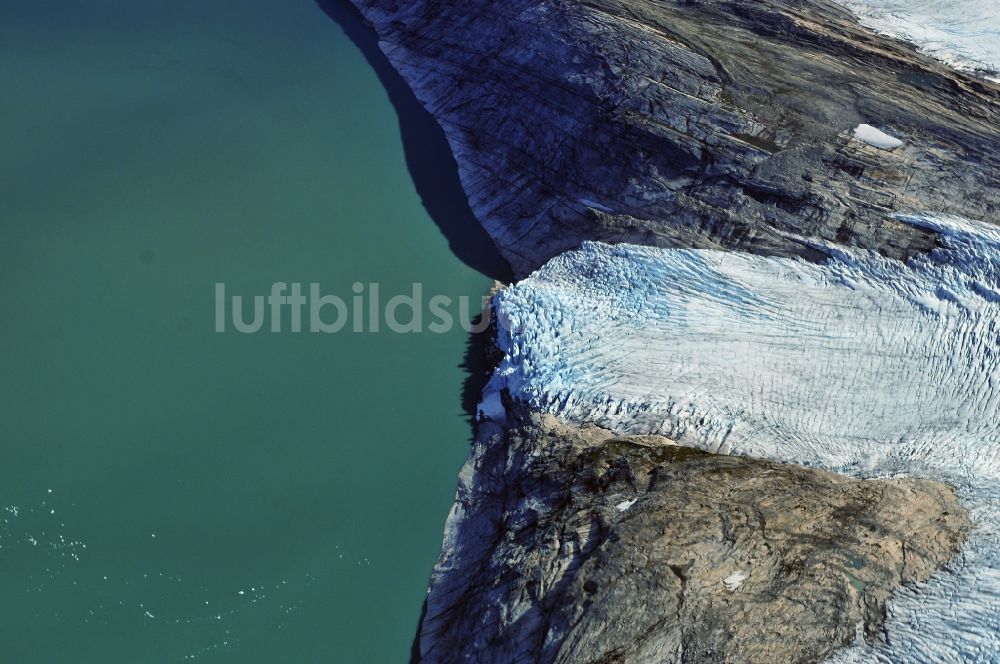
x=625, y=504
x=963, y=33
x=734, y=581
x=876, y=137
x=862, y=365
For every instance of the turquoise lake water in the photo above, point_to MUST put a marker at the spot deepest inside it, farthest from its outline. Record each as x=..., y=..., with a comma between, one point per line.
x=168, y=493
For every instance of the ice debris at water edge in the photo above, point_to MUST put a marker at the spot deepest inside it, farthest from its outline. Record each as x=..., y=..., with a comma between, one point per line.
x=862, y=365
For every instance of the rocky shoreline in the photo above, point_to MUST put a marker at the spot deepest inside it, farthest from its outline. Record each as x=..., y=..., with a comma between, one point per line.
x=703, y=124
x=571, y=544
x=695, y=123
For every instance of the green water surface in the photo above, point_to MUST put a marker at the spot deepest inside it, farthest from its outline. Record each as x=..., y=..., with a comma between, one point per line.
x=168, y=493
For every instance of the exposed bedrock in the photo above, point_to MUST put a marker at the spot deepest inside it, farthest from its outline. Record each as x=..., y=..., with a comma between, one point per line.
x=571, y=545
x=692, y=123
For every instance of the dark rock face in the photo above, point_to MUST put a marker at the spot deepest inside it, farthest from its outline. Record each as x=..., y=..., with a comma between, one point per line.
x=694, y=123
x=571, y=545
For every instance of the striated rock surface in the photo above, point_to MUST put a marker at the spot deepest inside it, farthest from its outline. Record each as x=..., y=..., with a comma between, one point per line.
x=572, y=545
x=692, y=123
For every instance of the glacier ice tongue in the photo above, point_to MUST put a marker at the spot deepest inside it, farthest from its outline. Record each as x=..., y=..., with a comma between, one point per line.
x=964, y=33
x=861, y=365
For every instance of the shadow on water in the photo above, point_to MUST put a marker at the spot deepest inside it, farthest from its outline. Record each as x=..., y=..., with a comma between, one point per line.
x=435, y=175
x=428, y=155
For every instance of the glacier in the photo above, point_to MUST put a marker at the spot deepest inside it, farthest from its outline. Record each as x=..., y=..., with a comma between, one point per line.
x=964, y=33
x=861, y=365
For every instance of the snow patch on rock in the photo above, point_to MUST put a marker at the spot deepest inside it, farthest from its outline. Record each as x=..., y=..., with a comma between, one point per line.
x=625, y=504
x=734, y=581
x=873, y=136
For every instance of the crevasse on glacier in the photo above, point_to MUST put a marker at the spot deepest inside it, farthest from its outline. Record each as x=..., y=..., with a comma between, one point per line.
x=861, y=365
x=962, y=33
